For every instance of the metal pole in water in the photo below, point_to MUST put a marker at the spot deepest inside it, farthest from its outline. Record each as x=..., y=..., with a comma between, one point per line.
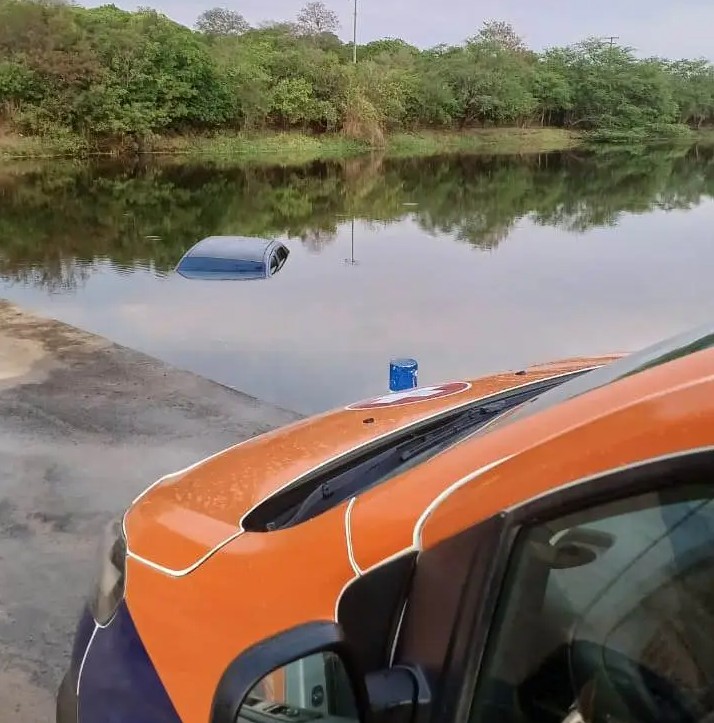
x=403, y=374
x=354, y=37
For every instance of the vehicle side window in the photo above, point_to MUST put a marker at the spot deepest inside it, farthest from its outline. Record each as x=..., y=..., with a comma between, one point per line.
x=277, y=259
x=607, y=615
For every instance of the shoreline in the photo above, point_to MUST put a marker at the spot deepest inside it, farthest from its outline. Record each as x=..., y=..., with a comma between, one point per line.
x=294, y=147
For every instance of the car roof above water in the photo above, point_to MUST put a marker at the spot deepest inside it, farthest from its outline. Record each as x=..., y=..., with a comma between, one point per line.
x=231, y=247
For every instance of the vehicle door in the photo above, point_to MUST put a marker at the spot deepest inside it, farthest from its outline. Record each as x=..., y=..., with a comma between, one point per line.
x=591, y=604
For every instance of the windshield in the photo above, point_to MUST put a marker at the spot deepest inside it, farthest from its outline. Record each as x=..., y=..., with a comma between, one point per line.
x=679, y=346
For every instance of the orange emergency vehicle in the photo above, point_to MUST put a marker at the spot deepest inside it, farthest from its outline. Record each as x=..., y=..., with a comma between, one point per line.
x=531, y=547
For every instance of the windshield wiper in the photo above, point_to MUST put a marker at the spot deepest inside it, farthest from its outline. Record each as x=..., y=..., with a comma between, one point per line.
x=376, y=463
x=452, y=433
x=389, y=463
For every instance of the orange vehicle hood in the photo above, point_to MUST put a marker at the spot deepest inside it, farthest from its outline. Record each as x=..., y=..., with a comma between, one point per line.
x=184, y=518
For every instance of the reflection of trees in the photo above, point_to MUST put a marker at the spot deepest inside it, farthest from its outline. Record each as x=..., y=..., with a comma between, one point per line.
x=56, y=220
x=315, y=240
x=58, y=275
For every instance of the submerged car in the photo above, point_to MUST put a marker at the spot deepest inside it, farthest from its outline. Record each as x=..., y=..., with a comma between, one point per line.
x=233, y=258
x=528, y=547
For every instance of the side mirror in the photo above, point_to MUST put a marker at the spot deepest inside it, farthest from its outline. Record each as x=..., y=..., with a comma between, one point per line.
x=301, y=675
x=308, y=674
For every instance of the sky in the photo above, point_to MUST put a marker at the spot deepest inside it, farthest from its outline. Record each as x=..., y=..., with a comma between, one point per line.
x=667, y=28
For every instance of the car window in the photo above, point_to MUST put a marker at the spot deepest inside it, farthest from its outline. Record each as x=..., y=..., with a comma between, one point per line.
x=277, y=260
x=274, y=263
x=607, y=615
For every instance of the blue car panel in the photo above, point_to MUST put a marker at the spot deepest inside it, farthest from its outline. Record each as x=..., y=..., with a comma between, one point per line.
x=117, y=680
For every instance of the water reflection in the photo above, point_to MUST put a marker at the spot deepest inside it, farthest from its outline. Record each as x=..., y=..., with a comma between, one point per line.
x=603, y=252
x=59, y=218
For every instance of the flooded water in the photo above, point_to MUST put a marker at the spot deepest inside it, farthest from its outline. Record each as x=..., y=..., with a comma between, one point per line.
x=470, y=265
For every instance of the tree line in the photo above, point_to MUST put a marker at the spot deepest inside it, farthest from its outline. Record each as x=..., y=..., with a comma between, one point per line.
x=111, y=75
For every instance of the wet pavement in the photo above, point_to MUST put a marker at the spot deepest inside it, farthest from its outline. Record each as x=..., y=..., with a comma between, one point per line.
x=85, y=425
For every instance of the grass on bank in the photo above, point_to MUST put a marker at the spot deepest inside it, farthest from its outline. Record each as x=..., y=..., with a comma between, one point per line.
x=295, y=148
x=59, y=145
x=302, y=148
x=491, y=141
x=276, y=147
